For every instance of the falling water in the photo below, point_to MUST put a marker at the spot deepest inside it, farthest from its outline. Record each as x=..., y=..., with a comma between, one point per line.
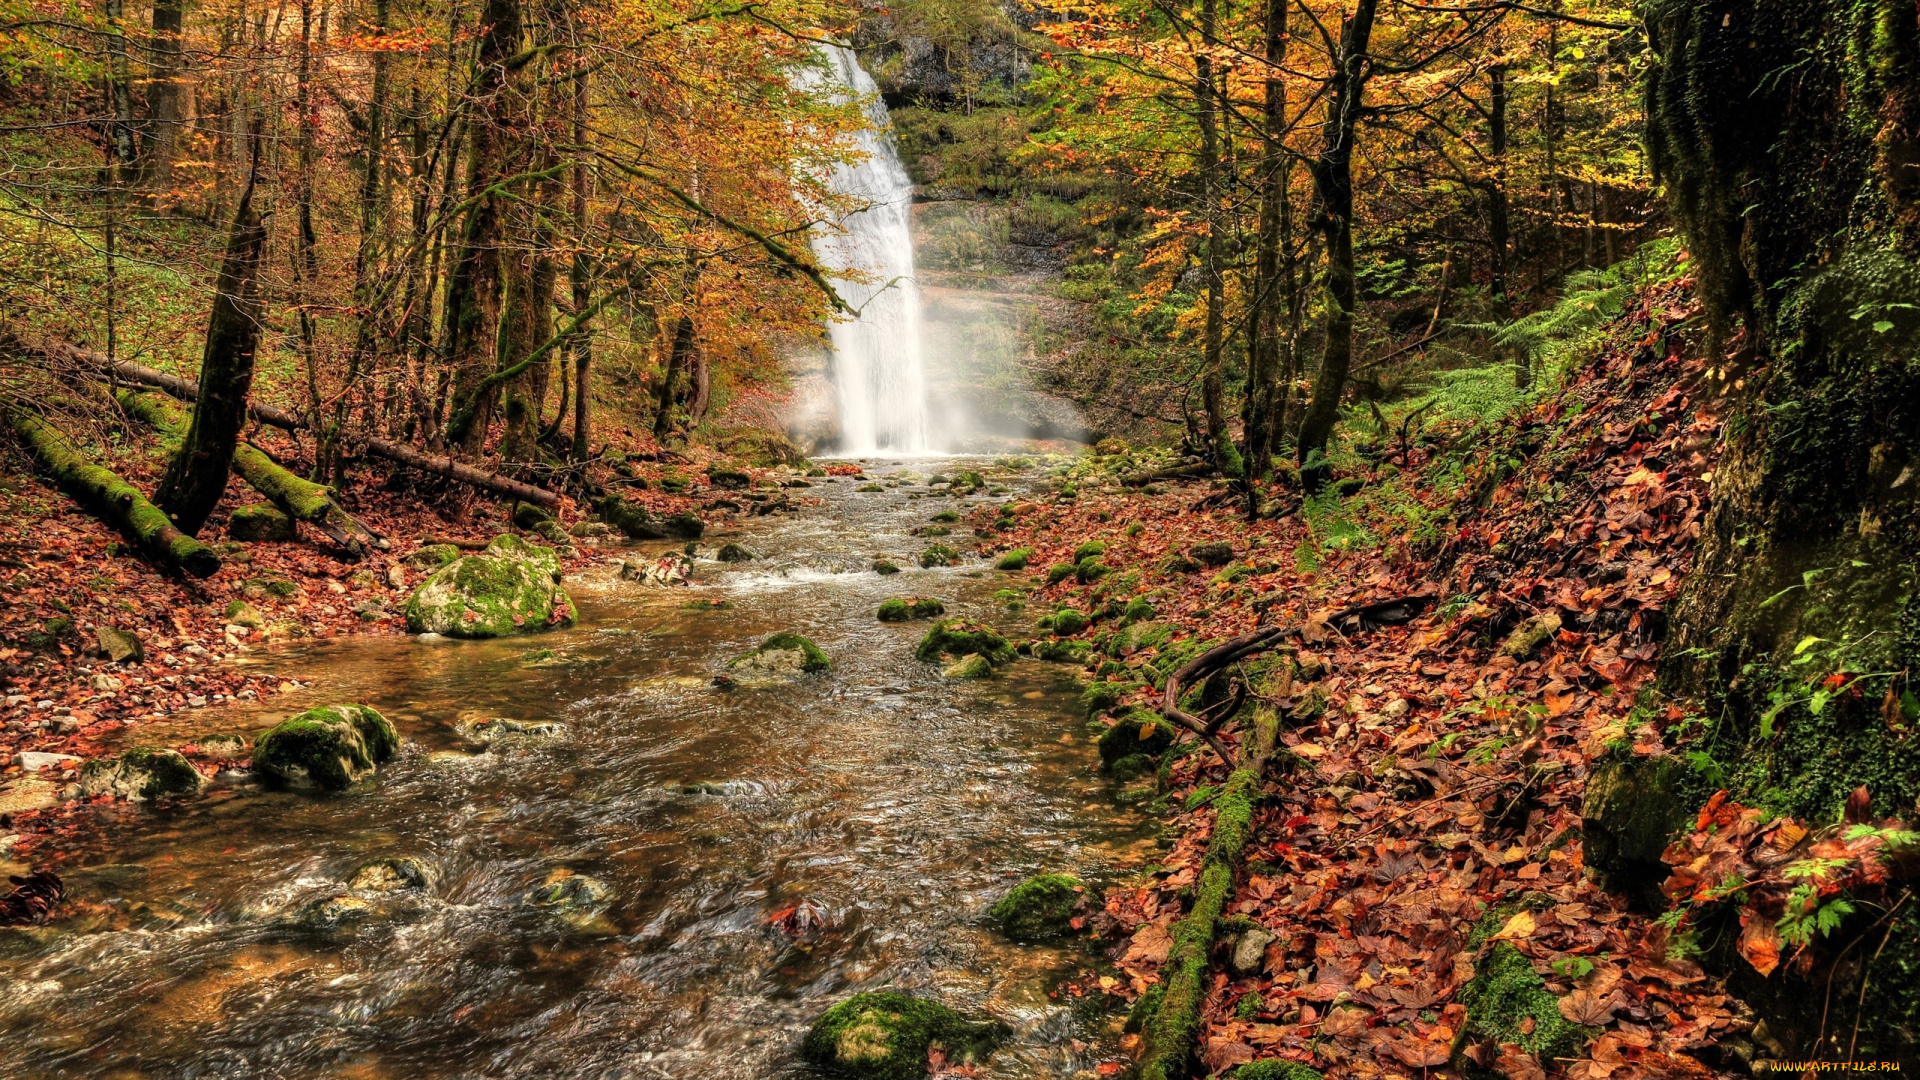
x=878, y=368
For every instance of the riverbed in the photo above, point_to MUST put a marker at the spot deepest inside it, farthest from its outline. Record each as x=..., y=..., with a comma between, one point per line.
x=879, y=808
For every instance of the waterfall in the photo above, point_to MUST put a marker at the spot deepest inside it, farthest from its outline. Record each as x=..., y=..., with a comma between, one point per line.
x=878, y=367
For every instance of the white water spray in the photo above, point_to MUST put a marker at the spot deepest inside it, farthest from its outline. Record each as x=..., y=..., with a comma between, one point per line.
x=878, y=365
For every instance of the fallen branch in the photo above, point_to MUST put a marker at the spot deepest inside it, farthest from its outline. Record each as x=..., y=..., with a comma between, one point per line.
x=1176, y=1022
x=187, y=390
x=112, y=499
x=300, y=499
x=1178, y=472
x=1350, y=620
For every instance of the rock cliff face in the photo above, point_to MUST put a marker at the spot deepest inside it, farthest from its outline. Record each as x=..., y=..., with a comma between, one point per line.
x=946, y=52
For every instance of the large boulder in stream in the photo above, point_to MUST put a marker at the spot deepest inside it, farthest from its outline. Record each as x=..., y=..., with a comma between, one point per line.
x=962, y=637
x=510, y=588
x=885, y=1035
x=331, y=747
x=1040, y=907
x=782, y=654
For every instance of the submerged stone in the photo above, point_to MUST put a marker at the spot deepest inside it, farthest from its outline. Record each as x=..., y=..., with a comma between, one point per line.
x=1040, y=907
x=971, y=666
x=961, y=637
x=142, y=774
x=903, y=608
x=511, y=588
x=392, y=875
x=571, y=897
x=331, y=747
x=886, y=1035
x=492, y=729
x=783, y=654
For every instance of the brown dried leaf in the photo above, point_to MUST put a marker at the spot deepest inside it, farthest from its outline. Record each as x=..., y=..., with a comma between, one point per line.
x=1588, y=1008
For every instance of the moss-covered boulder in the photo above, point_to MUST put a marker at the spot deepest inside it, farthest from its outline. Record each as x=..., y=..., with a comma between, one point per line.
x=1212, y=553
x=1014, y=560
x=961, y=637
x=1059, y=572
x=1063, y=652
x=330, y=748
x=1137, y=731
x=141, y=774
x=1632, y=808
x=884, y=567
x=1089, y=550
x=903, y=608
x=527, y=515
x=939, y=555
x=782, y=654
x=432, y=557
x=885, y=1035
x=1141, y=635
x=1040, y=907
x=971, y=666
x=734, y=552
x=511, y=588
x=1100, y=697
x=261, y=523
x=1066, y=622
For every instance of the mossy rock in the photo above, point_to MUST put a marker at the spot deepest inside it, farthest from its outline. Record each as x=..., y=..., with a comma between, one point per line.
x=141, y=774
x=959, y=637
x=971, y=666
x=729, y=479
x=509, y=589
x=1138, y=731
x=1039, y=908
x=783, y=654
x=331, y=747
x=398, y=874
x=241, y=613
x=1089, y=550
x=433, y=557
x=1274, y=1069
x=1132, y=767
x=527, y=515
x=1508, y=1002
x=903, y=608
x=1101, y=697
x=1088, y=571
x=1139, y=609
x=1212, y=553
x=1632, y=807
x=869, y=489
x=1014, y=560
x=939, y=555
x=1141, y=635
x=553, y=533
x=945, y=517
x=885, y=1035
x=1063, y=652
x=1066, y=622
x=1179, y=564
x=261, y=523
x=735, y=553
x=1059, y=572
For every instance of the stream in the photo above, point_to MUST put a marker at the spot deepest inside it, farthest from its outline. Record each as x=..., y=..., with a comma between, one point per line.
x=897, y=806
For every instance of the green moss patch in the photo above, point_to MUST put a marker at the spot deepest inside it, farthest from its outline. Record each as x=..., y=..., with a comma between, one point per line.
x=1508, y=1002
x=511, y=588
x=939, y=555
x=140, y=774
x=1014, y=560
x=1140, y=731
x=903, y=608
x=1040, y=907
x=960, y=637
x=331, y=747
x=1065, y=622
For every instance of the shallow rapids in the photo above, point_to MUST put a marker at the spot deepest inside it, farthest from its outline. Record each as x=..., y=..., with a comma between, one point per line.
x=881, y=808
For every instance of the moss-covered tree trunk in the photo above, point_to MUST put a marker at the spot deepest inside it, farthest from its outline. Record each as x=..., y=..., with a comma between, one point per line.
x=1787, y=133
x=114, y=500
x=197, y=474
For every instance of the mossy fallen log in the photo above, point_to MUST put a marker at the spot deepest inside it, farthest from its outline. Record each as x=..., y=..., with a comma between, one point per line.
x=1171, y=1031
x=115, y=501
x=298, y=498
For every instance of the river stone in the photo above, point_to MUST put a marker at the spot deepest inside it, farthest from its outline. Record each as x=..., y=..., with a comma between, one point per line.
x=528, y=515
x=725, y=789
x=36, y=760
x=1039, y=908
x=260, y=523
x=885, y=1035
x=433, y=557
x=331, y=747
x=961, y=637
x=1249, y=953
x=118, y=645
x=241, y=613
x=970, y=666
x=508, y=589
x=141, y=774
x=489, y=730
x=392, y=875
x=783, y=654
x=903, y=608
x=734, y=552
x=1065, y=622
x=1137, y=732
x=673, y=568
x=574, y=898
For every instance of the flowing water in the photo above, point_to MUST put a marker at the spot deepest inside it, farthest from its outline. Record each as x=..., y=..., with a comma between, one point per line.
x=878, y=364
x=209, y=938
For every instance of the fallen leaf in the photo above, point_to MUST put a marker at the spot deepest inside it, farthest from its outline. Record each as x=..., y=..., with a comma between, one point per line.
x=1151, y=944
x=1760, y=944
x=1346, y=1022
x=1588, y=1008
x=1516, y=1064
x=1518, y=928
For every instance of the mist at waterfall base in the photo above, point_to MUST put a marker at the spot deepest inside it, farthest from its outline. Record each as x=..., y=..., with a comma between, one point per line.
x=878, y=366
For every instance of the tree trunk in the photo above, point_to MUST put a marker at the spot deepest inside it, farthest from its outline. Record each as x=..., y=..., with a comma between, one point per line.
x=474, y=285
x=169, y=94
x=678, y=354
x=197, y=474
x=1499, y=237
x=1212, y=374
x=1333, y=184
x=120, y=134
x=1264, y=341
x=113, y=500
x=580, y=277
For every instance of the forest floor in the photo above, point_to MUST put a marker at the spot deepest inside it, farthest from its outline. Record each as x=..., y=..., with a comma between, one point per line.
x=1430, y=801
x=68, y=576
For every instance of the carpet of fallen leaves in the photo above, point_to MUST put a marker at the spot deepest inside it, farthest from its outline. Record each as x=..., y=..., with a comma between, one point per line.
x=1435, y=770
x=66, y=574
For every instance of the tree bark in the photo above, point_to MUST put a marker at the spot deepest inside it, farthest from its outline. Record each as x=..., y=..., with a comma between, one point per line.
x=1333, y=184
x=677, y=357
x=1499, y=236
x=197, y=475
x=1213, y=394
x=169, y=94
x=1264, y=396
x=580, y=276
x=113, y=500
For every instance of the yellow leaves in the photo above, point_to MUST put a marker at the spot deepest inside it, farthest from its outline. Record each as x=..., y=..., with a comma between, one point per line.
x=1518, y=928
